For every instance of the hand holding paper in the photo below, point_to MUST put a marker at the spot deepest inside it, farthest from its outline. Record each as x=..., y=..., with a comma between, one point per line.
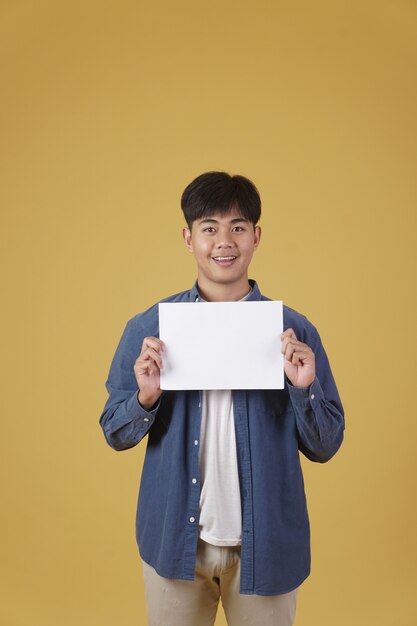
x=299, y=363
x=147, y=371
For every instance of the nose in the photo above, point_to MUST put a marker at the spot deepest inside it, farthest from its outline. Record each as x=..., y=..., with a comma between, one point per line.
x=224, y=240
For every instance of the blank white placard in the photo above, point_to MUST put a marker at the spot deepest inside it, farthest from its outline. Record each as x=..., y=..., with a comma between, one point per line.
x=222, y=345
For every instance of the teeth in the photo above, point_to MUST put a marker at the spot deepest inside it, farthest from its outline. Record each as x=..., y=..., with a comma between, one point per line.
x=224, y=258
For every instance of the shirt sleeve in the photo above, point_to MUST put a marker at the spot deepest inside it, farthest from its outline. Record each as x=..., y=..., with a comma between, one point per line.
x=318, y=409
x=123, y=420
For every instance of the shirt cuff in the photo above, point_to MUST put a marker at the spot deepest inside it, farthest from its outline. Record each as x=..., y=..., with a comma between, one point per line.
x=136, y=411
x=306, y=395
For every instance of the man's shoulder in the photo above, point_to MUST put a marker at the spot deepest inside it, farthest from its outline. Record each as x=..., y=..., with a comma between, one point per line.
x=299, y=322
x=149, y=317
x=302, y=326
x=293, y=316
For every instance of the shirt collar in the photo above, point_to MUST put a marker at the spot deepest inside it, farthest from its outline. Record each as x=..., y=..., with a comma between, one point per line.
x=254, y=295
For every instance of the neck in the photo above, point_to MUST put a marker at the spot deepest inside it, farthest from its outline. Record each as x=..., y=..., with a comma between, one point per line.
x=217, y=292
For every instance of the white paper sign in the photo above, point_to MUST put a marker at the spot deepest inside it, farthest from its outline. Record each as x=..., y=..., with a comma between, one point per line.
x=222, y=345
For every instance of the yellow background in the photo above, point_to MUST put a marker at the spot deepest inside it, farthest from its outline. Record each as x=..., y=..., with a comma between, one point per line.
x=108, y=109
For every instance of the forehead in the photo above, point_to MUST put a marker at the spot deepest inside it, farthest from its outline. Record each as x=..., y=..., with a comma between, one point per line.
x=234, y=215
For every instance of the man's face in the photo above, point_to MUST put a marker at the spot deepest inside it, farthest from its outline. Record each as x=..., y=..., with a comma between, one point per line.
x=223, y=246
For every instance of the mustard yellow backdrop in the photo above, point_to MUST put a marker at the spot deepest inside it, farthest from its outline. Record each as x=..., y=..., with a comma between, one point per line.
x=108, y=109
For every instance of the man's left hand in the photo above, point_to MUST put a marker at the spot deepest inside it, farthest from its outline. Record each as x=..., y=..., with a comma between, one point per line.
x=299, y=361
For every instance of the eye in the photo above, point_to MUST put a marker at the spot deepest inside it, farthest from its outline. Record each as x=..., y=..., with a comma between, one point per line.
x=238, y=229
x=209, y=229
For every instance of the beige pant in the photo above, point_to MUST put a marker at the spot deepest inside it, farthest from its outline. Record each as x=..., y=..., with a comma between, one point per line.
x=172, y=602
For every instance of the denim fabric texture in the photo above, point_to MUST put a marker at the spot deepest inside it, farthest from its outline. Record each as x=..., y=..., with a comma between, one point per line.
x=272, y=427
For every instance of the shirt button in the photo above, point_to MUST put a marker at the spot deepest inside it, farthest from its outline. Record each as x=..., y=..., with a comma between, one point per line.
x=196, y=442
x=194, y=480
x=312, y=396
x=192, y=520
x=146, y=419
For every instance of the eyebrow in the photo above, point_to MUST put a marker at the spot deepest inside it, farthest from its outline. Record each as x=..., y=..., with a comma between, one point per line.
x=210, y=220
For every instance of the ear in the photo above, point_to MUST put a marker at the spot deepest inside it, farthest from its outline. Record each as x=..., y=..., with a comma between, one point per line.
x=257, y=236
x=186, y=235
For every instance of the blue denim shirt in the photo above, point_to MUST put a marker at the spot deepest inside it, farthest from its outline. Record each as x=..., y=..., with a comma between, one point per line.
x=271, y=427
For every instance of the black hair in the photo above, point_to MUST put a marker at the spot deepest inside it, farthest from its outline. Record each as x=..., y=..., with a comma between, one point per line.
x=219, y=192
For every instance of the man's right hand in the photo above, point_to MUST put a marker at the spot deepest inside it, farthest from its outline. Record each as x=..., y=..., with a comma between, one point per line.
x=147, y=371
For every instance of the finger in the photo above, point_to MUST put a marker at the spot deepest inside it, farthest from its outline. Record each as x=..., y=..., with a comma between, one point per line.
x=289, y=332
x=303, y=352
x=288, y=351
x=302, y=357
x=153, y=369
x=284, y=344
x=153, y=355
x=153, y=342
x=290, y=341
x=146, y=368
x=299, y=345
x=296, y=358
x=143, y=366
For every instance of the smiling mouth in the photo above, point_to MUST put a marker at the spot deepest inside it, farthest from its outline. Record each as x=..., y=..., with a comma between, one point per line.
x=224, y=261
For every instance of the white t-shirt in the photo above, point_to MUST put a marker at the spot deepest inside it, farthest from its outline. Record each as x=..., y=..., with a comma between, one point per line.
x=220, y=505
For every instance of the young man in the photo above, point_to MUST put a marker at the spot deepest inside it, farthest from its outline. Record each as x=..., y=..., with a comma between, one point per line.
x=222, y=510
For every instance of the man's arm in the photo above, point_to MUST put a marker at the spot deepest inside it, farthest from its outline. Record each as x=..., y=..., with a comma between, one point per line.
x=314, y=396
x=134, y=389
